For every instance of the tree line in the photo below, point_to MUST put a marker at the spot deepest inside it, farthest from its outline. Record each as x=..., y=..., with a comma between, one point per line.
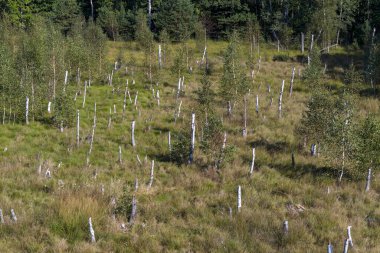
x=333, y=21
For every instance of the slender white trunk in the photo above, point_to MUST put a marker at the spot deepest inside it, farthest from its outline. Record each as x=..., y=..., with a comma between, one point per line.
x=239, y=199
x=13, y=215
x=368, y=182
x=92, y=232
x=169, y=142
x=245, y=118
x=345, y=246
x=1, y=217
x=84, y=94
x=77, y=128
x=133, y=211
x=280, y=99
x=349, y=237
x=120, y=160
x=253, y=161
x=92, y=10
x=191, y=156
x=286, y=227
x=151, y=175
x=135, y=103
x=159, y=56
x=49, y=107
x=292, y=81
x=27, y=111
x=176, y=116
x=257, y=103
x=302, y=42
x=133, y=133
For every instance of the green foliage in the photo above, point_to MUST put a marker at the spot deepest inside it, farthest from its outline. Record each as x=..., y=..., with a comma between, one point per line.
x=312, y=75
x=368, y=139
x=181, y=146
x=177, y=17
x=65, y=14
x=206, y=96
x=233, y=82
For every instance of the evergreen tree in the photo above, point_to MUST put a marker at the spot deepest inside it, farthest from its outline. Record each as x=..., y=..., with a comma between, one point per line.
x=177, y=17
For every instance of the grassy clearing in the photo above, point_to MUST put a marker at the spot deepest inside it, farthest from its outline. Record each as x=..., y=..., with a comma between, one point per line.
x=187, y=209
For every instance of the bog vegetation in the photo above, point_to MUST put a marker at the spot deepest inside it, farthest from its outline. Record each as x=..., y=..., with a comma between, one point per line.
x=200, y=126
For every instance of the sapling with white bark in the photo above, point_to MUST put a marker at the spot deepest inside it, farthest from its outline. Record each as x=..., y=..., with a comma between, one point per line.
x=92, y=232
x=135, y=103
x=257, y=104
x=1, y=217
x=239, y=199
x=368, y=181
x=176, y=116
x=345, y=246
x=292, y=82
x=151, y=175
x=13, y=215
x=78, y=128
x=49, y=107
x=253, y=161
x=109, y=119
x=245, y=117
x=133, y=133
x=120, y=159
x=84, y=94
x=329, y=248
x=191, y=156
x=280, y=99
x=169, y=142
x=136, y=184
x=285, y=227
x=27, y=111
x=349, y=237
x=133, y=210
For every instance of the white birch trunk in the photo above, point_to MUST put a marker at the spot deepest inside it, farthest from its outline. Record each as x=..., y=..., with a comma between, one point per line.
x=49, y=107
x=280, y=99
x=159, y=56
x=349, y=237
x=133, y=133
x=368, y=181
x=1, y=217
x=191, y=156
x=135, y=103
x=239, y=199
x=257, y=103
x=292, y=82
x=253, y=161
x=77, y=128
x=84, y=94
x=13, y=215
x=27, y=111
x=92, y=232
x=286, y=227
x=133, y=211
x=345, y=246
x=151, y=175
x=302, y=43
x=120, y=159
x=245, y=118
x=136, y=184
x=169, y=142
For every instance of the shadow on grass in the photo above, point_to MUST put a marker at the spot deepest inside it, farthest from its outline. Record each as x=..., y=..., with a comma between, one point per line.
x=310, y=169
x=276, y=147
x=369, y=92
